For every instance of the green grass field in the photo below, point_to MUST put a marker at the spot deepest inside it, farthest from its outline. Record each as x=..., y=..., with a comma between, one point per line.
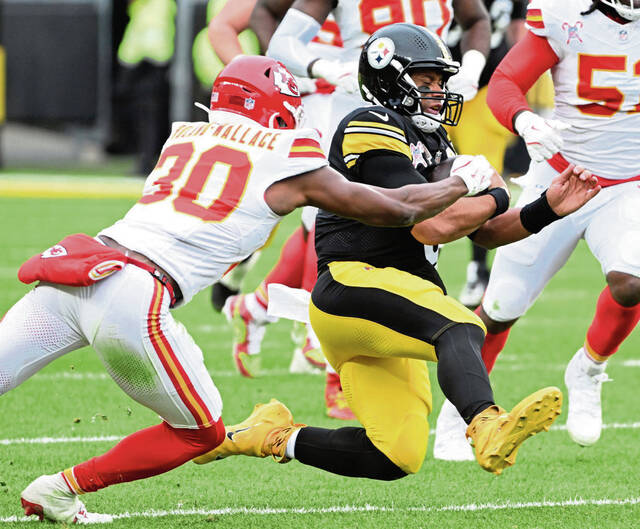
x=72, y=411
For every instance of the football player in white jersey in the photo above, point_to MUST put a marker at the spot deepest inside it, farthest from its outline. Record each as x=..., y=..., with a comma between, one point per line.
x=593, y=52
x=217, y=192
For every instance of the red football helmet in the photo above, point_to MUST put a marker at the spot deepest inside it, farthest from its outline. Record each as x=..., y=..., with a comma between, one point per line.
x=259, y=88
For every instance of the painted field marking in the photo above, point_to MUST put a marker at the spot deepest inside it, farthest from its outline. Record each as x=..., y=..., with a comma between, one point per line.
x=354, y=509
x=111, y=438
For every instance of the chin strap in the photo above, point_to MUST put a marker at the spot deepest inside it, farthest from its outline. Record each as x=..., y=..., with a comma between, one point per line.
x=202, y=107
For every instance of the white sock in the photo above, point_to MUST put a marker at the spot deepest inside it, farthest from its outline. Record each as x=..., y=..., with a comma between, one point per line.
x=257, y=311
x=289, y=451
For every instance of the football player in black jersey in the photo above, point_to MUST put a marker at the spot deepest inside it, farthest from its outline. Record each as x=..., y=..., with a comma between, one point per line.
x=379, y=306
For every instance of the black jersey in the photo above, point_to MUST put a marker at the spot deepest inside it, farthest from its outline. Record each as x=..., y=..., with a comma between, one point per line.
x=362, y=136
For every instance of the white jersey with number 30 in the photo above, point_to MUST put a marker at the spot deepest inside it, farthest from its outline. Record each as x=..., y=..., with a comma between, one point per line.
x=597, y=84
x=203, y=209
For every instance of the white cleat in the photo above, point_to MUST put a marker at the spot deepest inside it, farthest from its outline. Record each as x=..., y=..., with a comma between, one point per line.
x=49, y=497
x=583, y=378
x=451, y=442
x=473, y=290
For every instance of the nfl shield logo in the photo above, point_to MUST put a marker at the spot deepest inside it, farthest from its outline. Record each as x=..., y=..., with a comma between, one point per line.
x=249, y=103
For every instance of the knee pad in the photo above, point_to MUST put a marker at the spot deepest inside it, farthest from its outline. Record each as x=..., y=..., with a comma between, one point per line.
x=506, y=299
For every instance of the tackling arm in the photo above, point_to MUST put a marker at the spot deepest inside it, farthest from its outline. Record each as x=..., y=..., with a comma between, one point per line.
x=329, y=190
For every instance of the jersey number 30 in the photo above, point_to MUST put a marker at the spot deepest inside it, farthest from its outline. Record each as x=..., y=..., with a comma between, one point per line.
x=186, y=198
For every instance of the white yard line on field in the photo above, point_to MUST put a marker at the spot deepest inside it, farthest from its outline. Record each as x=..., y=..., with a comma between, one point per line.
x=577, y=502
x=111, y=438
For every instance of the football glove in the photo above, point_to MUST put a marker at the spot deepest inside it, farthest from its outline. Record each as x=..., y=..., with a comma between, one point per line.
x=344, y=75
x=475, y=171
x=542, y=136
x=465, y=82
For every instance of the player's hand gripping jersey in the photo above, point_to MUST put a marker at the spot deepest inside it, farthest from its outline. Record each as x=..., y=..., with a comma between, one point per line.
x=597, y=85
x=368, y=141
x=202, y=208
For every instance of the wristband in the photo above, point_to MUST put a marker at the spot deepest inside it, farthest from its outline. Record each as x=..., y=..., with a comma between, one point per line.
x=537, y=214
x=310, y=68
x=501, y=197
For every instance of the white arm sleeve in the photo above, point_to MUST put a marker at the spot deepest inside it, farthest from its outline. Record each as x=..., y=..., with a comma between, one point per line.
x=289, y=43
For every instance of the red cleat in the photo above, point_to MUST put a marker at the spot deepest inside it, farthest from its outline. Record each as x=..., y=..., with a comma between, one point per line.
x=337, y=406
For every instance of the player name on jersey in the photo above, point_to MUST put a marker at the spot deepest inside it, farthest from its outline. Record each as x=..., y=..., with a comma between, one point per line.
x=241, y=133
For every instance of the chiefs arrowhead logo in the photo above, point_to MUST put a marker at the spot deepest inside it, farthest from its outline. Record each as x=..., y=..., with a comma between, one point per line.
x=55, y=251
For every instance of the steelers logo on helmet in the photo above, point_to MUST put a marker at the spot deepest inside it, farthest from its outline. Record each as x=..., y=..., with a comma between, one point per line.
x=381, y=52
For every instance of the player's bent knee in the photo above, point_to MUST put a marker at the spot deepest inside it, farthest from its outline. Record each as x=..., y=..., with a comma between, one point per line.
x=505, y=301
x=625, y=288
x=410, y=448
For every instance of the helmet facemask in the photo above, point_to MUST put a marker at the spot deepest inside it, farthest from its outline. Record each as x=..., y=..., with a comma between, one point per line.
x=410, y=96
x=629, y=10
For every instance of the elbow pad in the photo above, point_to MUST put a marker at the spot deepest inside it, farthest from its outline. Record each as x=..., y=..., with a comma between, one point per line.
x=289, y=43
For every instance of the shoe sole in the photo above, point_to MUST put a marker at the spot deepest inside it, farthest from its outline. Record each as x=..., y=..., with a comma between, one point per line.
x=534, y=414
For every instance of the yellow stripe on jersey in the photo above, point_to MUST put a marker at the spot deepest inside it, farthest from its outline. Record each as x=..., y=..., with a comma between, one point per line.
x=377, y=125
x=534, y=18
x=307, y=148
x=358, y=143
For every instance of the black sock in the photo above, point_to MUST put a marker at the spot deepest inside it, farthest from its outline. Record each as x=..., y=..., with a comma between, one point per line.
x=345, y=451
x=461, y=371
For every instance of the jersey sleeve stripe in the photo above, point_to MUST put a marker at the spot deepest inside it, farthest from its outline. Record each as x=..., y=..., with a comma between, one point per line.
x=305, y=142
x=307, y=154
x=534, y=18
x=372, y=130
x=375, y=124
x=358, y=143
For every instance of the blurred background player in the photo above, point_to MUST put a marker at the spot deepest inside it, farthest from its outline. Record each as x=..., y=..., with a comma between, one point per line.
x=479, y=131
x=594, y=62
x=140, y=121
x=379, y=306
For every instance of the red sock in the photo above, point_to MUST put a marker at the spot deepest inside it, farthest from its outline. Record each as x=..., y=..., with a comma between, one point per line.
x=611, y=324
x=310, y=272
x=493, y=344
x=288, y=270
x=146, y=453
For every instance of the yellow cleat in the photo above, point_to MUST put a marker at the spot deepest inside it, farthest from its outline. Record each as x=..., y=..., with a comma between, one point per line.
x=265, y=432
x=497, y=435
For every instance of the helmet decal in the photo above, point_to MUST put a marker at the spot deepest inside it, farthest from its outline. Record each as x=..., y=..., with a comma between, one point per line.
x=380, y=52
x=259, y=88
x=285, y=82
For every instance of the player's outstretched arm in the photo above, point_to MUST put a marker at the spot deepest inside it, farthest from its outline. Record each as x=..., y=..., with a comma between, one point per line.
x=464, y=216
x=568, y=192
x=329, y=190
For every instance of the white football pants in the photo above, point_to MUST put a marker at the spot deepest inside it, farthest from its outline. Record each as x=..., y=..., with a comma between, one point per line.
x=609, y=223
x=126, y=319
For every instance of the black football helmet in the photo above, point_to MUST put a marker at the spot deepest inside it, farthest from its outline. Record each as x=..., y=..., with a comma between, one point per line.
x=386, y=60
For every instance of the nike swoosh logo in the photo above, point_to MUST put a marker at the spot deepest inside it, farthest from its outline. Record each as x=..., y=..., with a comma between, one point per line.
x=231, y=434
x=383, y=117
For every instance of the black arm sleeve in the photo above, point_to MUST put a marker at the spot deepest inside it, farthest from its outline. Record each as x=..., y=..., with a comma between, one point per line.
x=387, y=169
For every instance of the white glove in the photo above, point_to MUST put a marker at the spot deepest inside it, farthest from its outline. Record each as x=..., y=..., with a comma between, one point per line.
x=541, y=135
x=475, y=171
x=341, y=74
x=305, y=85
x=465, y=82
